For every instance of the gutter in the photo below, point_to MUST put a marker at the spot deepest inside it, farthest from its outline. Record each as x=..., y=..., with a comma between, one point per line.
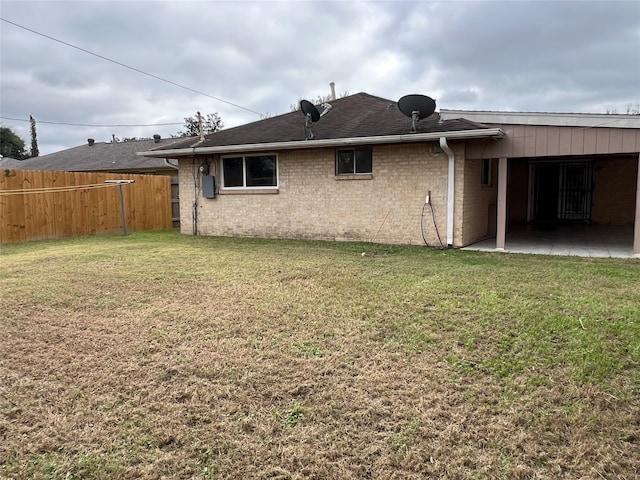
x=451, y=187
x=339, y=142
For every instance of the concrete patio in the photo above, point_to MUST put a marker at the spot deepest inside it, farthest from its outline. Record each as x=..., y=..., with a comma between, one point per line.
x=578, y=240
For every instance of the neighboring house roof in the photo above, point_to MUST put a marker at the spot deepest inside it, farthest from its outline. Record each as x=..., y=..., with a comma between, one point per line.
x=359, y=118
x=102, y=157
x=545, y=118
x=8, y=162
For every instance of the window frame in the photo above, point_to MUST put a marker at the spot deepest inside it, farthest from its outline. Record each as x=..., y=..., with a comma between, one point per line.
x=244, y=186
x=354, y=150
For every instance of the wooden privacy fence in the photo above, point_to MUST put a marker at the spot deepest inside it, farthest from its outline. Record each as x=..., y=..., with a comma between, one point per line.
x=37, y=205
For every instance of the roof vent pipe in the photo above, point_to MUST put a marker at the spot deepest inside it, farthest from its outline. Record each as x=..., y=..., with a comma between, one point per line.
x=91, y=141
x=333, y=90
x=200, y=128
x=156, y=138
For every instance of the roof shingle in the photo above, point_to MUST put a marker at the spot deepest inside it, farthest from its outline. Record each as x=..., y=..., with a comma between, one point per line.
x=101, y=156
x=359, y=115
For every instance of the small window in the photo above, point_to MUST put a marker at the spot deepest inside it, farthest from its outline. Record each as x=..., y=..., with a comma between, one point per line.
x=354, y=161
x=485, y=179
x=251, y=171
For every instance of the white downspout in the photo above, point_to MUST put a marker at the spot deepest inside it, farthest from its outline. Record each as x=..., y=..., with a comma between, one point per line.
x=450, y=188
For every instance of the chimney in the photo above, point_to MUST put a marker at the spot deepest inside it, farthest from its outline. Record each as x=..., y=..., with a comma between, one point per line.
x=91, y=141
x=333, y=90
x=156, y=138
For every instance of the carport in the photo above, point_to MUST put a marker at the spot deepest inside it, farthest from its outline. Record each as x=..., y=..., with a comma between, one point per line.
x=565, y=182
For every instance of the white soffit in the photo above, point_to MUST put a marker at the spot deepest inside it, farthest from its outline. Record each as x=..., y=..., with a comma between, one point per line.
x=551, y=119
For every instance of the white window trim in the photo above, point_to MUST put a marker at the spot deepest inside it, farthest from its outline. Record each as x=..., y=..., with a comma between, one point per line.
x=244, y=172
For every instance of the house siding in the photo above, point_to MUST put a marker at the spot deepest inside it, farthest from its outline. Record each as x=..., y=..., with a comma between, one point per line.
x=549, y=141
x=313, y=203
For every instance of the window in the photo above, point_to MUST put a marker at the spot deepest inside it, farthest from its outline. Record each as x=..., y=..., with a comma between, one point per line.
x=354, y=161
x=250, y=171
x=485, y=176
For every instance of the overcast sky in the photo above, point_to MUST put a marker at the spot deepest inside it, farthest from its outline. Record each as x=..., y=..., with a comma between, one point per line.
x=549, y=56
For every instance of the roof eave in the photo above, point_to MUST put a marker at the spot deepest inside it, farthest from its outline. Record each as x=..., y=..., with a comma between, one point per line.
x=333, y=142
x=545, y=119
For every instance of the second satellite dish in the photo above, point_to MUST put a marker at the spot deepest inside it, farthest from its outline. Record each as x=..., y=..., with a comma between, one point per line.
x=417, y=107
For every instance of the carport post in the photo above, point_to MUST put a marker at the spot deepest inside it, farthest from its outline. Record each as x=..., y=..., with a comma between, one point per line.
x=501, y=222
x=636, y=227
x=122, y=215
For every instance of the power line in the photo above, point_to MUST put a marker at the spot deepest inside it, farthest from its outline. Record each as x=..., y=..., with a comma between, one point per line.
x=131, y=68
x=89, y=125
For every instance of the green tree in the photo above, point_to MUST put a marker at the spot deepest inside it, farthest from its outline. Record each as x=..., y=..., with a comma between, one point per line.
x=11, y=145
x=210, y=123
x=34, y=138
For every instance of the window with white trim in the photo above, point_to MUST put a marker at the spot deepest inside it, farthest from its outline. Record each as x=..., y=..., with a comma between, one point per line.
x=354, y=161
x=250, y=171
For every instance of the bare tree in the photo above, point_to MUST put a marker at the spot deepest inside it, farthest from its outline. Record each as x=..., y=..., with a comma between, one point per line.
x=631, y=110
x=210, y=123
x=318, y=101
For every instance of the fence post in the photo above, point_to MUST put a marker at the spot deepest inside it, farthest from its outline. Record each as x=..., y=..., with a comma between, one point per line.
x=122, y=215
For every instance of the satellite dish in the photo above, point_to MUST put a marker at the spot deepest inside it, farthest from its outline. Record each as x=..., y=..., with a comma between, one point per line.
x=309, y=108
x=417, y=107
x=326, y=107
x=422, y=104
x=311, y=114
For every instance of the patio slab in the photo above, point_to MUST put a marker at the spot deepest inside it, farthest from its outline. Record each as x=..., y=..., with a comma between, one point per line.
x=577, y=240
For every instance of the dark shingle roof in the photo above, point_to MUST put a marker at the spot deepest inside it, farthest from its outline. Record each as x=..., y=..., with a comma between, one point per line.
x=359, y=115
x=11, y=163
x=101, y=156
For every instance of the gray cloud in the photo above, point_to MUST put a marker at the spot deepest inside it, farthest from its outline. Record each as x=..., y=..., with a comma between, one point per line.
x=264, y=55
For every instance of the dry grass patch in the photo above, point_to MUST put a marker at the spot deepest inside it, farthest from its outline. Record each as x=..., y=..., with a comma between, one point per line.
x=162, y=356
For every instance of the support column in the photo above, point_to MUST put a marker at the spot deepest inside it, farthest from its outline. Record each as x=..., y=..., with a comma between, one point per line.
x=501, y=232
x=451, y=187
x=636, y=228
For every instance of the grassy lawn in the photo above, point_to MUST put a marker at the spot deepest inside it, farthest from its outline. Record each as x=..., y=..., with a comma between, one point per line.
x=165, y=356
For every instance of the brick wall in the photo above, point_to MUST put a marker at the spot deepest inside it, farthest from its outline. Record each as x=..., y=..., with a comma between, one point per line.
x=478, y=202
x=614, y=193
x=313, y=203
